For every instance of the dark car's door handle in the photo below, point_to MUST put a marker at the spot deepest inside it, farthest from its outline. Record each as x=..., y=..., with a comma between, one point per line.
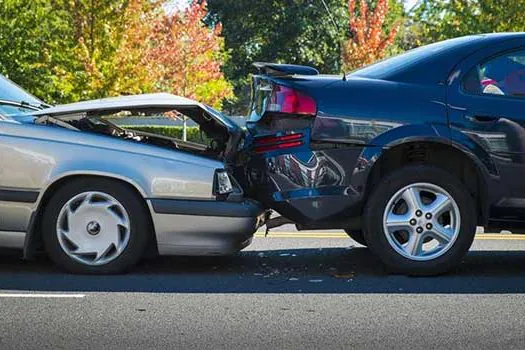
x=481, y=118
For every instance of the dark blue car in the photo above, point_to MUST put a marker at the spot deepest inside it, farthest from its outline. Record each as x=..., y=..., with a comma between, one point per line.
x=408, y=155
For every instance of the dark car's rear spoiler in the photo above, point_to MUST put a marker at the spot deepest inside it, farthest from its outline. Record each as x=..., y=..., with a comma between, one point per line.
x=276, y=69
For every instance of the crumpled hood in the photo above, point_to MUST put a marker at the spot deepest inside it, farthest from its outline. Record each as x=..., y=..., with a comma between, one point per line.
x=160, y=100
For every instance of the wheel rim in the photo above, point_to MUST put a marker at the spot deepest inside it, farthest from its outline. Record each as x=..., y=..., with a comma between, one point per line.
x=421, y=221
x=93, y=228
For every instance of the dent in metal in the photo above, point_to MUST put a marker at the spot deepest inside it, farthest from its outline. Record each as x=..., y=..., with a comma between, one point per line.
x=305, y=185
x=350, y=130
x=120, y=102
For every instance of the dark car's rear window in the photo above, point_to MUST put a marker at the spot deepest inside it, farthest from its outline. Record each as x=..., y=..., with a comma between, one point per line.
x=390, y=66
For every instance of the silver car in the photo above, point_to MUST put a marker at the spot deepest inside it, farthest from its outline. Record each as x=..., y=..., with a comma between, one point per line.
x=98, y=193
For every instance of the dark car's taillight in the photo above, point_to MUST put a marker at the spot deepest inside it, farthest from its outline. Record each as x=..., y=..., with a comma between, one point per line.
x=274, y=143
x=287, y=100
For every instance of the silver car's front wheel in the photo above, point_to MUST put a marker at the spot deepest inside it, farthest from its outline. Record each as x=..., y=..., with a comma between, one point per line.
x=96, y=225
x=421, y=221
x=93, y=228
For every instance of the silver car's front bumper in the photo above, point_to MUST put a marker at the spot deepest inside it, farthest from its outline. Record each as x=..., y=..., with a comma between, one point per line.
x=190, y=227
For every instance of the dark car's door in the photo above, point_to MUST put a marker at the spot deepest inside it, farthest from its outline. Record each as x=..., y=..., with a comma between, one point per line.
x=486, y=105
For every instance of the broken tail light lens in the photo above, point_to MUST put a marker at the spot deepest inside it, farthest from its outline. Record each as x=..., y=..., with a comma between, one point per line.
x=287, y=100
x=274, y=143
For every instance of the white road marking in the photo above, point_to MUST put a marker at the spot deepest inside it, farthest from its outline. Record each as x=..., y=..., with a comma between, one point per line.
x=34, y=295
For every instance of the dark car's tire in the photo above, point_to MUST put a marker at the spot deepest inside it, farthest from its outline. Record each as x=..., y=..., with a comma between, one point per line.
x=394, y=228
x=92, y=218
x=357, y=235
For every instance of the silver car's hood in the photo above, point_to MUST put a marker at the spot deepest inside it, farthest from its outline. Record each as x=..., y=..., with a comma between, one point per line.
x=110, y=103
x=157, y=100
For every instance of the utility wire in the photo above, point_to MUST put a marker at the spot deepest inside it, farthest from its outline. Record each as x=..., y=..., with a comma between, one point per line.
x=330, y=15
x=338, y=30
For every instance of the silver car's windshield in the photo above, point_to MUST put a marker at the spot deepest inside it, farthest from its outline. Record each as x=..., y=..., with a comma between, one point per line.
x=15, y=101
x=9, y=91
x=9, y=110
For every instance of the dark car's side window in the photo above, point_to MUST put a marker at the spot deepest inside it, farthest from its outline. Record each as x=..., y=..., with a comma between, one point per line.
x=503, y=75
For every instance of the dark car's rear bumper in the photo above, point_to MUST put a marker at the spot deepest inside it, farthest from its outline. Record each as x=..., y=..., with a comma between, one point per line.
x=197, y=227
x=309, y=187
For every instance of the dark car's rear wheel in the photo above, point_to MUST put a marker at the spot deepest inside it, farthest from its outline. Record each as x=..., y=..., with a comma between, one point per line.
x=357, y=235
x=95, y=226
x=420, y=220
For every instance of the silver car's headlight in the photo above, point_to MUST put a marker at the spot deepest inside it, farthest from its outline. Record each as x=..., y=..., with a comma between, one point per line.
x=223, y=183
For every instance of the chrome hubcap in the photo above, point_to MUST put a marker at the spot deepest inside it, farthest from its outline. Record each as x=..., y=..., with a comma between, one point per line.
x=93, y=228
x=421, y=221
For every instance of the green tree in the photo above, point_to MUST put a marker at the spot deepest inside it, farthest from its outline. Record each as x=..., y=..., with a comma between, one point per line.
x=285, y=31
x=67, y=50
x=112, y=38
x=435, y=20
x=291, y=31
x=36, y=47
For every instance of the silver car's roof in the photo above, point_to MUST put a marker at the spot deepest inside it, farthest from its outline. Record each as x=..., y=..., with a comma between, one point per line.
x=134, y=101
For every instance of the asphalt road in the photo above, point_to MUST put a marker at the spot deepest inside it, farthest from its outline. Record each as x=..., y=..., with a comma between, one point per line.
x=282, y=292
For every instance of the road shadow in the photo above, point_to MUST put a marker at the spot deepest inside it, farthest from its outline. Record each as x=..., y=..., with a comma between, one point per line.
x=326, y=270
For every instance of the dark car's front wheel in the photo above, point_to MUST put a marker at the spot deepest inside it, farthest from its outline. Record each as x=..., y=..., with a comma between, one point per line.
x=420, y=220
x=95, y=226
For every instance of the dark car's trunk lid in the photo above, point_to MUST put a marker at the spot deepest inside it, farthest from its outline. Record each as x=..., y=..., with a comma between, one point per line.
x=302, y=79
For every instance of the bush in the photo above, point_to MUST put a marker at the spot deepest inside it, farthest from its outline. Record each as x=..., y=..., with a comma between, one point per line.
x=193, y=133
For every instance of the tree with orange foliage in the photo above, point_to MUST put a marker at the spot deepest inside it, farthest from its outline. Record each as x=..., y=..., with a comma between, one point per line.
x=187, y=56
x=368, y=41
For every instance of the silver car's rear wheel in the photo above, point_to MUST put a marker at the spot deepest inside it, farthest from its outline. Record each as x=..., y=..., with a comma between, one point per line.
x=421, y=221
x=93, y=228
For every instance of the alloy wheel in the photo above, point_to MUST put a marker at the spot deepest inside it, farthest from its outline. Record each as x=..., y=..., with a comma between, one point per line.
x=421, y=221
